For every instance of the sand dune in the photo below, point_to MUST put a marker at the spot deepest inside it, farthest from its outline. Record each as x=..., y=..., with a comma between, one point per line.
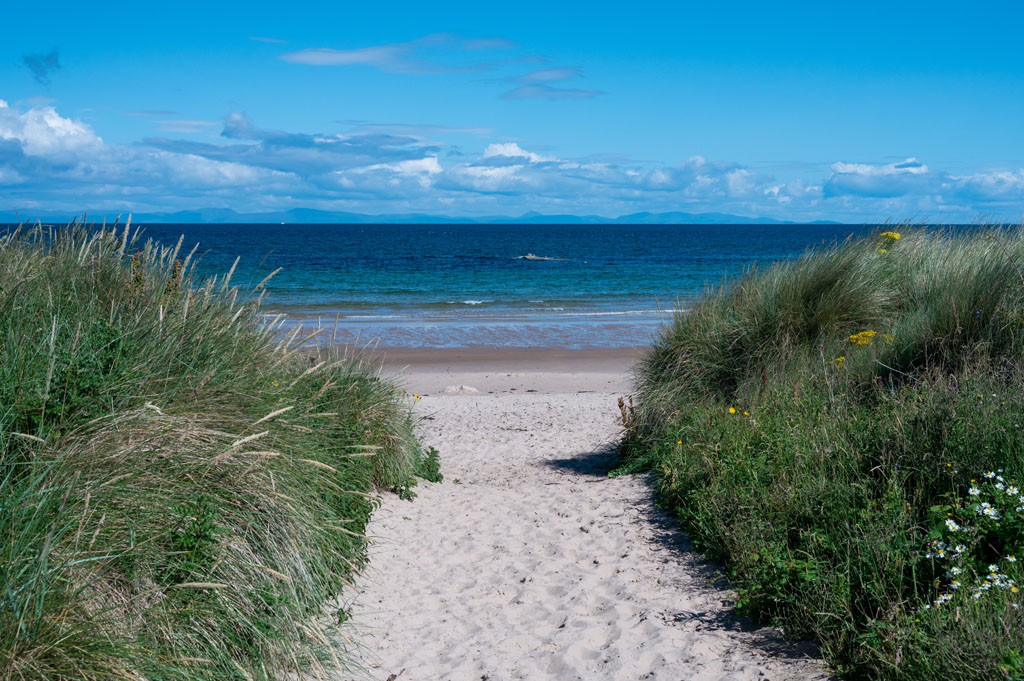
x=528, y=563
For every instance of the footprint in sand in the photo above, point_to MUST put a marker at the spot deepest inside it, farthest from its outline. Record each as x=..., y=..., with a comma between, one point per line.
x=536, y=566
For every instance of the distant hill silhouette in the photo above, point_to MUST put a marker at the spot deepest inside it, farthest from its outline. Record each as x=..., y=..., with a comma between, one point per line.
x=313, y=216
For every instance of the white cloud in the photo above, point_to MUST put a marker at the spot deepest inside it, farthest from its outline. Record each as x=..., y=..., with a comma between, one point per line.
x=500, y=179
x=910, y=166
x=42, y=131
x=996, y=185
x=46, y=158
x=392, y=175
x=428, y=165
x=513, y=150
x=58, y=162
x=888, y=180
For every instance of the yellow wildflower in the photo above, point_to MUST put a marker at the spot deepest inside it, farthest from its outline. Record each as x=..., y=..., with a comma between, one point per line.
x=863, y=338
x=732, y=410
x=895, y=236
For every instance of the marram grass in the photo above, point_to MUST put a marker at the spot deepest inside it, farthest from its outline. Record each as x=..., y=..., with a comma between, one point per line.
x=181, y=493
x=846, y=433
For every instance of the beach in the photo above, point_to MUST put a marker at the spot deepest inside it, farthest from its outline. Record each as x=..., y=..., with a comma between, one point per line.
x=430, y=371
x=528, y=561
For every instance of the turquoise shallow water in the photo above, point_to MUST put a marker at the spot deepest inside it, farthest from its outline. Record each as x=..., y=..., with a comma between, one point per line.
x=473, y=285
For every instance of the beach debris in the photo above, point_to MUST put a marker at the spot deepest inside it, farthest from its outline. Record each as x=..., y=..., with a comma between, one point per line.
x=460, y=390
x=628, y=414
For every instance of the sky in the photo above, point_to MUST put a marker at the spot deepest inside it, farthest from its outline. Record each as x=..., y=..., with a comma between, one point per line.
x=857, y=112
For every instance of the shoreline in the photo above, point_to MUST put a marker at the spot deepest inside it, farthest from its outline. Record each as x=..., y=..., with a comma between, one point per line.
x=488, y=370
x=455, y=332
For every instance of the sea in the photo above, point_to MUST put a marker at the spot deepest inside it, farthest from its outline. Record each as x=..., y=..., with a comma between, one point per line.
x=485, y=285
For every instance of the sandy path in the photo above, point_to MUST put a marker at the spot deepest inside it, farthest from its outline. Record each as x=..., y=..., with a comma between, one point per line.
x=527, y=563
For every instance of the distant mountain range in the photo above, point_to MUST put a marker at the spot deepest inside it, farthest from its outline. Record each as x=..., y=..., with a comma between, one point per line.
x=313, y=216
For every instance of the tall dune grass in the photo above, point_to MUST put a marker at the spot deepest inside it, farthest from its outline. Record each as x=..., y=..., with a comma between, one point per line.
x=833, y=429
x=181, y=494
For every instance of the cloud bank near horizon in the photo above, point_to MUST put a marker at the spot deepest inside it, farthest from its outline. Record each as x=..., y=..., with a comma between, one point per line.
x=49, y=162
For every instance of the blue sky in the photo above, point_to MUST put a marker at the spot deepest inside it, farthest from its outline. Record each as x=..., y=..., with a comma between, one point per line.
x=848, y=111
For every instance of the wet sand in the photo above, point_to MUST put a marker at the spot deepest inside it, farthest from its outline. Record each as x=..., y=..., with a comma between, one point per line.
x=503, y=370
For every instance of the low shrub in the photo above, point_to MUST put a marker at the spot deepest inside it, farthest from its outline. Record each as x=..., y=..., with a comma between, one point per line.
x=844, y=433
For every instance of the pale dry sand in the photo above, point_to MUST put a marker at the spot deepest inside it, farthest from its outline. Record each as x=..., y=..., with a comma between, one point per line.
x=527, y=562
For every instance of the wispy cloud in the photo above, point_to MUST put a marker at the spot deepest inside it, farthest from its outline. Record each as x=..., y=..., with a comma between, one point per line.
x=527, y=59
x=431, y=54
x=537, y=85
x=185, y=125
x=40, y=100
x=165, y=122
x=448, y=53
x=481, y=44
x=264, y=39
x=417, y=129
x=549, y=92
x=151, y=113
x=548, y=75
x=42, y=65
x=385, y=57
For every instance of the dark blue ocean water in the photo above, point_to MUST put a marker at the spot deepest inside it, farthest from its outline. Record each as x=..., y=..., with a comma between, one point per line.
x=471, y=285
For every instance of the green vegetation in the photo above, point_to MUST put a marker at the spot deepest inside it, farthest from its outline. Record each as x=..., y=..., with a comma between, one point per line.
x=845, y=433
x=180, y=494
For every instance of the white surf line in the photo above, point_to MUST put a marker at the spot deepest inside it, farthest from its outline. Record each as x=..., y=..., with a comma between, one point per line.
x=527, y=563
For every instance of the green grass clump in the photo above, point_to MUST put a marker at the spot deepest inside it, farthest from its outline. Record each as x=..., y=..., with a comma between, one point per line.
x=845, y=433
x=181, y=494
